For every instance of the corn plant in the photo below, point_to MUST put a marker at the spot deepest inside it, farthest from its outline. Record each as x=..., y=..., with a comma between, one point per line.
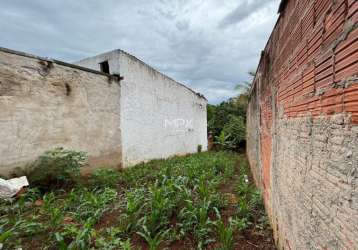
x=79, y=238
x=133, y=208
x=126, y=245
x=6, y=234
x=22, y=227
x=84, y=204
x=225, y=235
x=203, y=188
x=195, y=218
x=160, y=206
x=162, y=201
x=153, y=241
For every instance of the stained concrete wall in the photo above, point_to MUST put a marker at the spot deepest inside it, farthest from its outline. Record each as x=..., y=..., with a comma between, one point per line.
x=302, y=125
x=159, y=116
x=46, y=104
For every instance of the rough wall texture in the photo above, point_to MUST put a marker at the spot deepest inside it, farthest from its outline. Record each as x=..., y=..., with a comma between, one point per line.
x=48, y=104
x=159, y=117
x=303, y=125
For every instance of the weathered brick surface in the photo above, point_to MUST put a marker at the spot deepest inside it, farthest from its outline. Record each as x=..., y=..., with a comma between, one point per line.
x=303, y=125
x=314, y=183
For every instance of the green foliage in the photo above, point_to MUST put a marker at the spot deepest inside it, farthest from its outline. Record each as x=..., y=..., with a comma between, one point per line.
x=153, y=241
x=58, y=167
x=250, y=198
x=236, y=130
x=50, y=207
x=239, y=224
x=126, y=245
x=79, y=238
x=22, y=227
x=84, y=204
x=134, y=205
x=226, y=235
x=245, y=86
x=105, y=178
x=226, y=121
x=250, y=204
x=161, y=201
x=111, y=240
x=219, y=115
x=224, y=142
x=194, y=218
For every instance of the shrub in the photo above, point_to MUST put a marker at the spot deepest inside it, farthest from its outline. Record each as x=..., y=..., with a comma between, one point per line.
x=56, y=168
x=236, y=130
x=223, y=141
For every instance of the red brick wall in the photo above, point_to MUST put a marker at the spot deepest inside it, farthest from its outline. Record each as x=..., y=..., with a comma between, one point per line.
x=304, y=105
x=313, y=49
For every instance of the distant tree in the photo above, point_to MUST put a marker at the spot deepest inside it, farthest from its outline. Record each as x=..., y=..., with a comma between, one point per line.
x=226, y=121
x=245, y=86
x=244, y=89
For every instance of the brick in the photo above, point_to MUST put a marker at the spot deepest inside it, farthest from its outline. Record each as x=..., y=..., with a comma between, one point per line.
x=321, y=7
x=349, y=50
x=353, y=8
x=346, y=72
x=305, y=168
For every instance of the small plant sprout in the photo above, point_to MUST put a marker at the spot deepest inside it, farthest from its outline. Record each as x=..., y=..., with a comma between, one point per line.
x=163, y=202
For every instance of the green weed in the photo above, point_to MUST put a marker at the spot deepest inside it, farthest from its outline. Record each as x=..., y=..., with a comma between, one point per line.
x=112, y=240
x=161, y=201
x=239, y=224
x=105, y=178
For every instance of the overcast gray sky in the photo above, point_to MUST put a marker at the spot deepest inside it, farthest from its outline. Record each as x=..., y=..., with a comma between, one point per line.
x=209, y=45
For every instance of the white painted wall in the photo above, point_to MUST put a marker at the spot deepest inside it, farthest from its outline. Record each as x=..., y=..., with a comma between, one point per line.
x=94, y=62
x=153, y=109
x=159, y=117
